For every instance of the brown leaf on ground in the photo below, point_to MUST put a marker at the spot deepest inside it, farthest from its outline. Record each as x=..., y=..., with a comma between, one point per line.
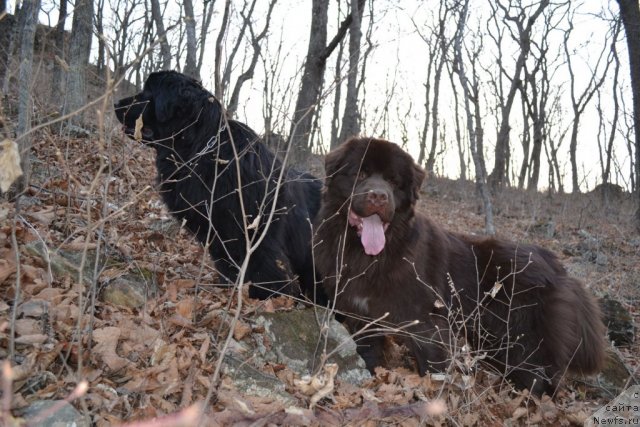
x=106, y=343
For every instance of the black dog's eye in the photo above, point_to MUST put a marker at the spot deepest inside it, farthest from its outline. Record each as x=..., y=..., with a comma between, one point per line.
x=362, y=175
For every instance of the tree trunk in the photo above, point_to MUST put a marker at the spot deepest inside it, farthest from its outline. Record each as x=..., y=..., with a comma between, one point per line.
x=79, y=51
x=31, y=8
x=165, y=49
x=335, y=119
x=246, y=75
x=630, y=14
x=219, y=86
x=190, y=67
x=312, y=77
x=57, y=87
x=431, y=159
x=350, y=119
x=499, y=174
x=470, y=97
x=101, y=62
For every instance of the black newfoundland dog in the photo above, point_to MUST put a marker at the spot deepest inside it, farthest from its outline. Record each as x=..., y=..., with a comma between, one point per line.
x=515, y=304
x=218, y=176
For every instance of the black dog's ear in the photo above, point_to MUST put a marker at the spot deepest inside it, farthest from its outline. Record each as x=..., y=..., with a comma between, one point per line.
x=164, y=105
x=417, y=176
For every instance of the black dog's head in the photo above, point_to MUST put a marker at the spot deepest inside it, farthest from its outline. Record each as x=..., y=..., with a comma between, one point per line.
x=381, y=180
x=169, y=104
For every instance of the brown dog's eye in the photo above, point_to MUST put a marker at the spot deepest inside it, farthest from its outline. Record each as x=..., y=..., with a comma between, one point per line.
x=362, y=175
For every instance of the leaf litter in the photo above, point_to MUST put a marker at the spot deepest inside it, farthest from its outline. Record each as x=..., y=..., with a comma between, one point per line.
x=158, y=360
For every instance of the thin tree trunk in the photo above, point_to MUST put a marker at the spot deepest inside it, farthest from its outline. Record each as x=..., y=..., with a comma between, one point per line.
x=350, y=119
x=165, y=49
x=337, y=97
x=57, y=86
x=256, y=40
x=190, y=67
x=312, y=78
x=470, y=95
x=79, y=51
x=219, y=87
x=630, y=14
x=499, y=174
x=31, y=8
x=101, y=41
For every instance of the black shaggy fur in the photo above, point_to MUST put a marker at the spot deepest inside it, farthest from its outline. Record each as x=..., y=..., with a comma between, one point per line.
x=515, y=304
x=201, y=156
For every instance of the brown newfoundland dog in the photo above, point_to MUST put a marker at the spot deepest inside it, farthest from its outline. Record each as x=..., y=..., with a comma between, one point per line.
x=514, y=304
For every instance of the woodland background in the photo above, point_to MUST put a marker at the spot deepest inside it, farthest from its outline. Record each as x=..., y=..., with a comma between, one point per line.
x=525, y=113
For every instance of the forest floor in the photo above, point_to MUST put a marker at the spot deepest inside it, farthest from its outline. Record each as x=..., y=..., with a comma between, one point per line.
x=97, y=193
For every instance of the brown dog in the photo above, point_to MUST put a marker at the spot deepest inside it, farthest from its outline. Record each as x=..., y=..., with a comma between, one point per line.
x=515, y=304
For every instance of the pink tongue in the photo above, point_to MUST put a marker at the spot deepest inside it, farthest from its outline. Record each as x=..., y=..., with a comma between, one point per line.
x=372, y=236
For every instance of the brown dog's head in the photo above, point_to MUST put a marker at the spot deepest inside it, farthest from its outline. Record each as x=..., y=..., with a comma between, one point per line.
x=379, y=179
x=167, y=106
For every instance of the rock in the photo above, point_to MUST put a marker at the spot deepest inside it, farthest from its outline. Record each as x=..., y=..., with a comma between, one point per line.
x=294, y=340
x=64, y=263
x=124, y=290
x=65, y=416
x=254, y=382
x=620, y=326
x=128, y=291
x=590, y=248
x=613, y=378
x=291, y=338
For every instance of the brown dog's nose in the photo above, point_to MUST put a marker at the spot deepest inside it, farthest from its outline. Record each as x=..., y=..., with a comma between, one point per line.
x=377, y=197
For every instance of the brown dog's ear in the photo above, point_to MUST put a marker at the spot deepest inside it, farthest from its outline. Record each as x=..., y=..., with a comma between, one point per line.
x=334, y=161
x=418, y=175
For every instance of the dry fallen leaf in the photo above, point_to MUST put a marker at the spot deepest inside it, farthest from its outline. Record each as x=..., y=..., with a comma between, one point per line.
x=241, y=330
x=10, y=169
x=106, y=342
x=319, y=385
x=137, y=133
x=7, y=268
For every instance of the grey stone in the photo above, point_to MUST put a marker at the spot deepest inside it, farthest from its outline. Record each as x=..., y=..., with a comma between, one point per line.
x=65, y=416
x=294, y=340
x=619, y=322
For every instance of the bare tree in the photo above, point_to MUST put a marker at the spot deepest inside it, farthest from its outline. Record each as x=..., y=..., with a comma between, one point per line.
x=79, y=51
x=190, y=66
x=219, y=85
x=102, y=45
x=438, y=45
x=207, y=13
x=630, y=15
x=256, y=40
x=517, y=14
x=580, y=101
x=350, y=118
x=471, y=98
x=165, y=49
x=535, y=92
x=337, y=97
x=606, y=153
x=456, y=117
x=30, y=10
x=57, y=86
x=312, y=77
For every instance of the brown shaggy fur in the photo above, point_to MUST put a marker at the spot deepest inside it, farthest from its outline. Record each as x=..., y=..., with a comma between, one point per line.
x=513, y=303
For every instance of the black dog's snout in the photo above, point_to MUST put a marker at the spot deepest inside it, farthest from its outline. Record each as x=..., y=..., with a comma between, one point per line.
x=377, y=197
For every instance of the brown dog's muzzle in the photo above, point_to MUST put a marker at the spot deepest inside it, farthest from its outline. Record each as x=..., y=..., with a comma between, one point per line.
x=372, y=209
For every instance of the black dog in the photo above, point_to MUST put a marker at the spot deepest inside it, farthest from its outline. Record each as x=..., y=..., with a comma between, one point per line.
x=515, y=304
x=219, y=177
